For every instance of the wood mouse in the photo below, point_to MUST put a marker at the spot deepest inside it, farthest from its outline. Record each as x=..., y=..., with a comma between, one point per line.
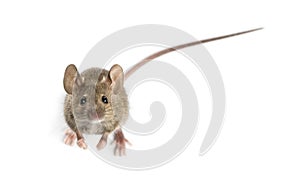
x=97, y=103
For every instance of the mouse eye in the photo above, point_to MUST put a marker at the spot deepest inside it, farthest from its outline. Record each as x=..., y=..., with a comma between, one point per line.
x=104, y=99
x=82, y=100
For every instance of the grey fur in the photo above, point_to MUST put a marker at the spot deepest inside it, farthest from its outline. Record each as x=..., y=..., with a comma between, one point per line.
x=93, y=83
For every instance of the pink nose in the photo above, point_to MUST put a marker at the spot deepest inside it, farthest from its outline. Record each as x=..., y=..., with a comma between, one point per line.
x=93, y=115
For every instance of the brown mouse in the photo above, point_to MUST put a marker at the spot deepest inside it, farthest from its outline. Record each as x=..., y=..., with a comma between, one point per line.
x=96, y=101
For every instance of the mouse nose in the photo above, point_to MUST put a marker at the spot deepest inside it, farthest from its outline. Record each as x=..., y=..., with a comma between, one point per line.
x=92, y=114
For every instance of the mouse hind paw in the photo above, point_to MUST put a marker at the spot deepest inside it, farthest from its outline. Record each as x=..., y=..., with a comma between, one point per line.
x=120, y=141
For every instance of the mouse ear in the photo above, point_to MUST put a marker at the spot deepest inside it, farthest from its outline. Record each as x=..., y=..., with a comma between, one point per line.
x=116, y=76
x=71, y=76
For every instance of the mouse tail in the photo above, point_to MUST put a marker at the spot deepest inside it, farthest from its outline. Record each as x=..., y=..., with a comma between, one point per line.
x=167, y=50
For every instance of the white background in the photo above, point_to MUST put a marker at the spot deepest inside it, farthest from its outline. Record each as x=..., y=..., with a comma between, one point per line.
x=258, y=147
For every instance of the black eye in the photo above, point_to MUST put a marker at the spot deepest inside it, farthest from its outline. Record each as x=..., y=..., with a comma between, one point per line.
x=82, y=100
x=104, y=99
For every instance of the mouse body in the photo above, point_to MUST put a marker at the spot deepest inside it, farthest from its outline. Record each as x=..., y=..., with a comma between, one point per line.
x=97, y=103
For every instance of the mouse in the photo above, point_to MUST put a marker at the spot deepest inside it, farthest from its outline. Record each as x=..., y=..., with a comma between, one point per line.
x=96, y=102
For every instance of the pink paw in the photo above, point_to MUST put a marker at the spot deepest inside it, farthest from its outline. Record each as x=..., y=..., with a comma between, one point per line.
x=82, y=144
x=101, y=144
x=120, y=141
x=70, y=137
x=103, y=141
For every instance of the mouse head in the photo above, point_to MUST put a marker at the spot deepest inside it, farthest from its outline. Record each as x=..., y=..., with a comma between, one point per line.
x=98, y=95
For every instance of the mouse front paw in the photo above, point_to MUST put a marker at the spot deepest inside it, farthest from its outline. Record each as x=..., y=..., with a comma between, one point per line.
x=120, y=141
x=81, y=143
x=103, y=141
x=70, y=137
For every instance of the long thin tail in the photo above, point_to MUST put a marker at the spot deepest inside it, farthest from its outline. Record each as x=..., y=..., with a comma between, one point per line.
x=165, y=51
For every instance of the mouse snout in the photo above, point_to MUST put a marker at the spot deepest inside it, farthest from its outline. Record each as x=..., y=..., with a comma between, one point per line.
x=94, y=116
